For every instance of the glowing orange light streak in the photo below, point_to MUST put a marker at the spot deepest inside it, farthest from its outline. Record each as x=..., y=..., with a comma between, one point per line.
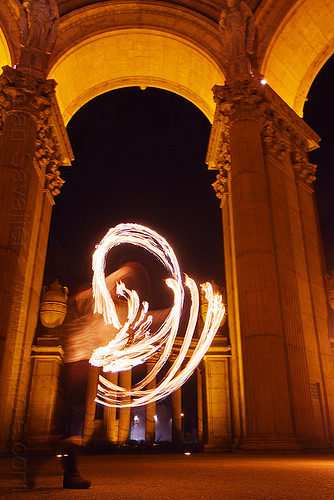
x=125, y=351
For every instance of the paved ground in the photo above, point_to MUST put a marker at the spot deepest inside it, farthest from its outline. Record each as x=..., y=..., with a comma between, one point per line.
x=176, y=477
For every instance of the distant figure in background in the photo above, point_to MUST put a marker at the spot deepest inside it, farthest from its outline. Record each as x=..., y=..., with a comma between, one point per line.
x=84, y=331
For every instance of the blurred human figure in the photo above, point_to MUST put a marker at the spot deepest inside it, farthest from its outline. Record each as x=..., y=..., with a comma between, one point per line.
x=84, y=331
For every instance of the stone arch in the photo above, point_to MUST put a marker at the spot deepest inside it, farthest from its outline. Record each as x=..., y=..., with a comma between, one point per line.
x=9, y=33
x=135, y=57
x=5, y=58
x=301, y=45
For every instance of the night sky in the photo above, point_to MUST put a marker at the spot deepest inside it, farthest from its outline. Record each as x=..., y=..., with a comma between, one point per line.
x=319, y=114
x=140, y=157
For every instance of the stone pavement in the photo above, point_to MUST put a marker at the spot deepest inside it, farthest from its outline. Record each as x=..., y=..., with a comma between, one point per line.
x=177, y=476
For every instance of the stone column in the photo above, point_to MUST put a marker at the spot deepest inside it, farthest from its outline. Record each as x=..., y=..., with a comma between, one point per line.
x=268, y=417
x=315, y=314
x=125, y=380
x=257, y=143
x=200, y=414
x=223, y=191
x=150, y=409
x=177, y=417
x=89, y=424
x=33, y=145
x=109, y=415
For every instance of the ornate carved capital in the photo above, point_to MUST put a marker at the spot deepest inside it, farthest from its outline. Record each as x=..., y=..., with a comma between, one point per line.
x=24, y=93
x=242, y=100
x=49, y=158
x=283, y=133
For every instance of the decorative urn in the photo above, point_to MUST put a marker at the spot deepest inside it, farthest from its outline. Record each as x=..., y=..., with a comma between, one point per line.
x=53, y=305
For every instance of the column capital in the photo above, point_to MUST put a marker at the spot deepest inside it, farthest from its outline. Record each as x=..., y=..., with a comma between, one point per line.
x=284, y=135
x=21, y=91
x=25, y=94
x=241, y=100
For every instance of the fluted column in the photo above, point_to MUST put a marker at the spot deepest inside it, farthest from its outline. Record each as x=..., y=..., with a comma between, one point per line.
x=30, y=153
x=316, y=316
x=109, y=415
x=176, y=416
x=200, y=414
x=274, y=270
x=93, y=376
x=223, y=191
x=267, y=404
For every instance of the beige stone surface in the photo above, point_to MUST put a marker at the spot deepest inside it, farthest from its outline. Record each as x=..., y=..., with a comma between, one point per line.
x=135, y=58
x=218, y=425
x=276, y=292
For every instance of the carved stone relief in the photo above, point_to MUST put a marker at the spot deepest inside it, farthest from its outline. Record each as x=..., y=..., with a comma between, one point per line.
x=238, y=35
x=20, y=92
x=285, y=137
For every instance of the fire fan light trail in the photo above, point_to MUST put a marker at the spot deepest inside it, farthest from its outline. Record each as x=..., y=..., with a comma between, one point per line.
x=134, y=342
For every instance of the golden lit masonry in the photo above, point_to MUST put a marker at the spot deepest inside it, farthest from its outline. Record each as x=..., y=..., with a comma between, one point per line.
x=266, y=383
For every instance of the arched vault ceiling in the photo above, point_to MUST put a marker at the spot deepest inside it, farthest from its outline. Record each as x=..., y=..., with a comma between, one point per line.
x=135, y=58
x=9, y=32
x=107, y=16
x=298, y=49
x=296, y=36
x=5, y=59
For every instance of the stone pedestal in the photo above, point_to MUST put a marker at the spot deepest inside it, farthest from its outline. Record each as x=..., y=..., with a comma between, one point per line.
x=46, y=401
x=33, y=144
x=218, y=407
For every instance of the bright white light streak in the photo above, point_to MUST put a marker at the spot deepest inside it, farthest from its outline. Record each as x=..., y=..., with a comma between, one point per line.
x=134, y=343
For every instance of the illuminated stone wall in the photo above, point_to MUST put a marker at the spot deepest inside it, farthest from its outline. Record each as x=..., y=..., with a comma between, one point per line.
x=176, y=45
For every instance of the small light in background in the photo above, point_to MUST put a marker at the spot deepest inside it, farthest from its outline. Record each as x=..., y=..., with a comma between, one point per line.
x=187, y=453
x=263, y=81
